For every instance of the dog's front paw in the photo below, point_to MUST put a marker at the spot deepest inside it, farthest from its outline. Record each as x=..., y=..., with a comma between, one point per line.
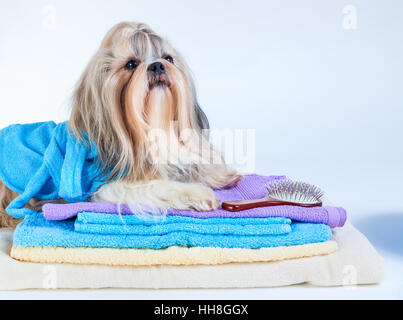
x=222, y=178
x=199, y=197
x=232, y=180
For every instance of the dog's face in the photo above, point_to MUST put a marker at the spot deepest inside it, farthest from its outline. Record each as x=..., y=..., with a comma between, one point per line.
x=152, y=80
x=134, y=84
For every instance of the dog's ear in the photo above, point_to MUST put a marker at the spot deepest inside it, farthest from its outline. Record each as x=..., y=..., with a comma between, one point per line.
x=202, y=120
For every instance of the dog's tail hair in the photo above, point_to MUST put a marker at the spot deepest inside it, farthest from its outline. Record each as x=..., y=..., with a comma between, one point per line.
x=6, y=196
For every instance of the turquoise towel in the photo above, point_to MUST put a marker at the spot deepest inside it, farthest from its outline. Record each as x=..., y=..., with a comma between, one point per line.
x=36, y=231
x=148, y=219
x=98, y=223
x=45, y=161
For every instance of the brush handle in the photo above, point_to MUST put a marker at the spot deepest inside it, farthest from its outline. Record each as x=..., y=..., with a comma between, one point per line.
x=265, y=202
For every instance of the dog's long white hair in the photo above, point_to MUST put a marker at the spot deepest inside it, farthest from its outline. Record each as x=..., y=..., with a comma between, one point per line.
x=148, y=128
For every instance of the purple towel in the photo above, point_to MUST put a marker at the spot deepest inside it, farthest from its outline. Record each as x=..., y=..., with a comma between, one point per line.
x=251, y=187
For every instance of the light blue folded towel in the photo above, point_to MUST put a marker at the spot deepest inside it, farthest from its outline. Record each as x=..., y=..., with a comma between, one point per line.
x=98, y=223
x=46, y=161
x=36, y=231
x=149, y=219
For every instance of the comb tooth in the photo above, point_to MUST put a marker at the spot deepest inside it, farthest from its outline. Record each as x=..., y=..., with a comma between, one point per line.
x=300, y=196
x=293, y=191
x=308, y=194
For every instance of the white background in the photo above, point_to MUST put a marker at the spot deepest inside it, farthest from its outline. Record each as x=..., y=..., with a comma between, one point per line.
x=326, y=102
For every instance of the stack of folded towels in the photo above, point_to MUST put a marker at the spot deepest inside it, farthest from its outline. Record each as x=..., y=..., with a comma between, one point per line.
x=109, y=234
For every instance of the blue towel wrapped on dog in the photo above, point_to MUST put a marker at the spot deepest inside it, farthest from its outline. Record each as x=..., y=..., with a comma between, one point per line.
x=46, y=161
x=36, y=231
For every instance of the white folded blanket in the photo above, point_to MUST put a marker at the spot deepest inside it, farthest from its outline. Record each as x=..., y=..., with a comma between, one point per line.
x=355, y=262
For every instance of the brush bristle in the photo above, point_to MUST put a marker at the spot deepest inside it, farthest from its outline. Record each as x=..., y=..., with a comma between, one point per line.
x=294, y=191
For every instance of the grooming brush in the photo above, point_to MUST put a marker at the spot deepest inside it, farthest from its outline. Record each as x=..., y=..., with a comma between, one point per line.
x=282, y=193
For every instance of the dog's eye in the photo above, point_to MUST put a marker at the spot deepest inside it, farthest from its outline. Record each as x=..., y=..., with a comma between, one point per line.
x=131, y=65
x=169, y=59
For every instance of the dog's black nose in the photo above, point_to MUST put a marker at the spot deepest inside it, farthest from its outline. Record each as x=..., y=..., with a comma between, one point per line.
x=157, y=68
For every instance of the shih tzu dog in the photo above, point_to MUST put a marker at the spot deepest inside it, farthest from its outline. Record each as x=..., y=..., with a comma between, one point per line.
x=137, y=102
